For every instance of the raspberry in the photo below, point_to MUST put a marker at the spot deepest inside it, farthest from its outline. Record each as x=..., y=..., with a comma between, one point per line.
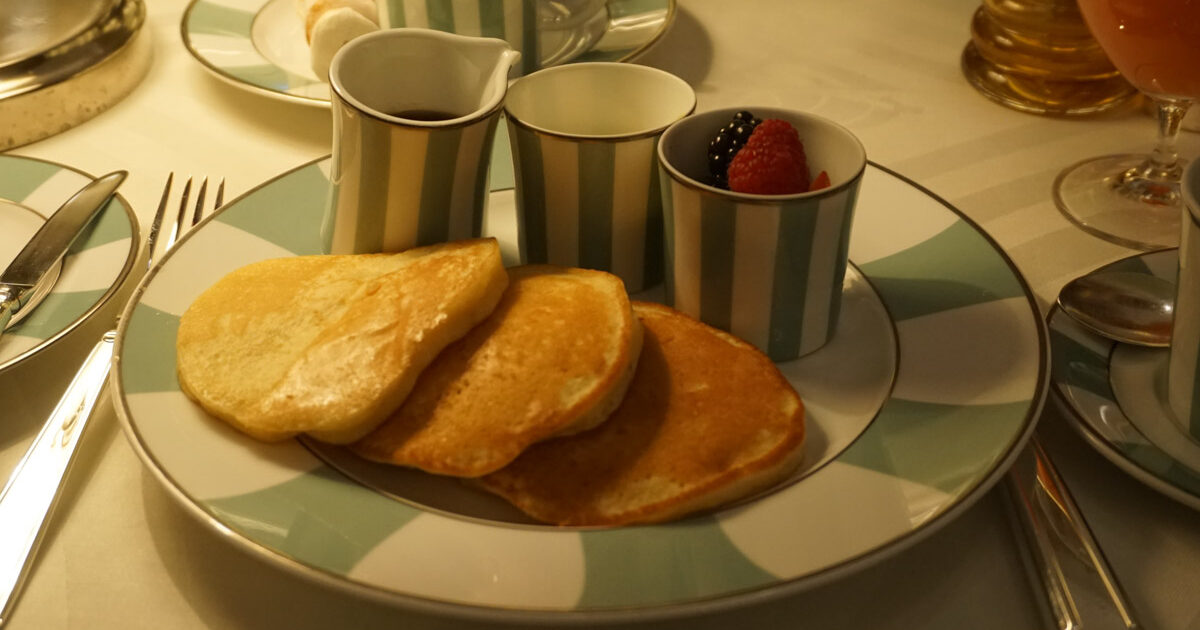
x=819, y=182
x=771, y=163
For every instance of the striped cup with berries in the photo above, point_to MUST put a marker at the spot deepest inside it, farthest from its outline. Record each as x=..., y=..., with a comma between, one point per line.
x=757, y=204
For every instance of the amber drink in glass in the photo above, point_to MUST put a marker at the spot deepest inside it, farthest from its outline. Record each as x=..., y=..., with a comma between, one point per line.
x=1134, y=199
x=1038, y=56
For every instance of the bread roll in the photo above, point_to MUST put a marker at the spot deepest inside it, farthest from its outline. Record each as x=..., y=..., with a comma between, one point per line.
x=330, y=24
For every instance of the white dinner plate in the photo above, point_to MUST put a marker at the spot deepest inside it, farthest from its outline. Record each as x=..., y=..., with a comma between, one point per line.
x=1115, y=395
x=925, y=396
x=259, y=45
x=92, y=270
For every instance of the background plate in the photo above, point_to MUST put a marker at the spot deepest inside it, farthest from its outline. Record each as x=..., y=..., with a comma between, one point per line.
x=970, y=378
x=259, y=45
x=93, y=269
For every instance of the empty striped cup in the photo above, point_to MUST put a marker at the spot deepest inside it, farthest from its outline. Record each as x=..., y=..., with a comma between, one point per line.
x=547, y=32
x=583, y=140
x=414, y=115
x=767, y=268
x=1183, y=368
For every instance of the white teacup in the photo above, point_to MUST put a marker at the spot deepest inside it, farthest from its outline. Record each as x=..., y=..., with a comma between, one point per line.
x=546, y=32
x=1183, y=371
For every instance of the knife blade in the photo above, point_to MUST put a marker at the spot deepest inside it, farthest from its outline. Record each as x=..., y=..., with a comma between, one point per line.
x=51, y=241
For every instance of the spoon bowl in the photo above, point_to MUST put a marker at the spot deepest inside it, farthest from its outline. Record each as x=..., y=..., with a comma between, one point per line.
x=1131, y=308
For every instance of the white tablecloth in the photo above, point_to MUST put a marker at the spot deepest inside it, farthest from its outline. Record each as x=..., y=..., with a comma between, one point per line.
x=123, y=555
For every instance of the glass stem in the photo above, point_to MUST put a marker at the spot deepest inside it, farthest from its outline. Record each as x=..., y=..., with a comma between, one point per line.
x=1156, y=179
x=1165, y=158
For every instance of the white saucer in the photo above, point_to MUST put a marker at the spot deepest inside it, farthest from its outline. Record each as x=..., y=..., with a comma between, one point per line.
x=259, y=45
x=1115, y=395
x=1139, y=379
x=93, y=269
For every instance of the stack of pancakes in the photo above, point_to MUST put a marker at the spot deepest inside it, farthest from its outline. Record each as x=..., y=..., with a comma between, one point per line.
x=545, y=385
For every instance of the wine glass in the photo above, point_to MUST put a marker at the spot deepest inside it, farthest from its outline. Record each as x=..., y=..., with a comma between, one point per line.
x=1134, y=199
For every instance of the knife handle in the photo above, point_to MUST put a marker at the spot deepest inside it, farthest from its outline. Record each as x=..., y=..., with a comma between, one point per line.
x=10, y=301
x=1078, y=583
x=6, y=312
x=33, y=488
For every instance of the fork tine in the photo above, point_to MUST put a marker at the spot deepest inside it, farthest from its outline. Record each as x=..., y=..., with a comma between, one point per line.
x=156, y=224
x=220, y=195
x=180, y=224
x=199, y=212
x=177, y=229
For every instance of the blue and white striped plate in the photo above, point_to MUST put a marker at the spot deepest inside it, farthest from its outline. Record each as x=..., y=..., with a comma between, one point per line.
x=91, y=272
x=259, y=45
x=1115, y=396
x=918, y=406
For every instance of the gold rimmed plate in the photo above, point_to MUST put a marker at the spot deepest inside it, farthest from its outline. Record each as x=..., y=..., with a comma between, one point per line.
x=916, y=409
x=91, y=272
x=259, y=45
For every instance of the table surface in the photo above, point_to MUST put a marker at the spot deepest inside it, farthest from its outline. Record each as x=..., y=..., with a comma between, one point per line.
x=123, y=554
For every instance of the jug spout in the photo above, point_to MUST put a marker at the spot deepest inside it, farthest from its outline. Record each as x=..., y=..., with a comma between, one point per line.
x=501, y=67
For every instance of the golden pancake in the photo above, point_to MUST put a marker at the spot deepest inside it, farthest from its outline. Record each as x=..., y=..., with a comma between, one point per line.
x=555, y=357
x=330, y=345
x=707, y=419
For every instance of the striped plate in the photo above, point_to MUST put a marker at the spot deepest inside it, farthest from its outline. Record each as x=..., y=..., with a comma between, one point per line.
x=1115, y=396
x=954, y=375
x=259, y=45
x=93, y=269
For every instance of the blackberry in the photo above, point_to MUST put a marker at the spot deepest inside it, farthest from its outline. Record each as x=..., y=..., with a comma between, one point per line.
x=726, y=143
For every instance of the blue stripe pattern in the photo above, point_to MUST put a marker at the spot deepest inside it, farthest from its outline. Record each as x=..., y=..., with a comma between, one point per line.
x=391, y=210
x=803, y=277
x=542, y=227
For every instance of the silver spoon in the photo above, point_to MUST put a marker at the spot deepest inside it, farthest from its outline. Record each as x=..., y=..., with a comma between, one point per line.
x=1133, y=308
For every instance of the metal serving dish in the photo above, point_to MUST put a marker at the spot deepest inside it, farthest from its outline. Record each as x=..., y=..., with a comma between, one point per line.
x=64, y=61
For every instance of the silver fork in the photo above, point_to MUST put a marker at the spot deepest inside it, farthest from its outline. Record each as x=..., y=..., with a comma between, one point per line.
x=29, y=497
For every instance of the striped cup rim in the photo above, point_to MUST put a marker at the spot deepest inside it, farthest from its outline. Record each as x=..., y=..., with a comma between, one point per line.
x=723, y=115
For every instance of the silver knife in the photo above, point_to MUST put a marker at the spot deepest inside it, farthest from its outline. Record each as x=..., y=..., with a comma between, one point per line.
x=1080, y=588
x=51, y=241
